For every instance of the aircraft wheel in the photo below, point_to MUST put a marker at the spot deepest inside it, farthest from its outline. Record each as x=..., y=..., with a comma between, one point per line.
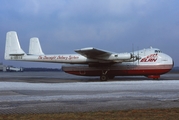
x=103, y=78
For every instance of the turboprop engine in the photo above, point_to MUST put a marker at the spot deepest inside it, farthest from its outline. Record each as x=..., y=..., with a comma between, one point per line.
x=120, y=56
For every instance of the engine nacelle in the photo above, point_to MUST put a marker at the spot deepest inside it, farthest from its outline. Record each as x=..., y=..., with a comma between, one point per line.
x=120, y=56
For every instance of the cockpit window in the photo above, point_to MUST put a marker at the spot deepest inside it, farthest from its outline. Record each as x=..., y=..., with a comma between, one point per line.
x=157, y=51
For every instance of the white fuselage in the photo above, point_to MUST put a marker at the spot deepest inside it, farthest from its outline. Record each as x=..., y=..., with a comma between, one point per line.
x=149, y=62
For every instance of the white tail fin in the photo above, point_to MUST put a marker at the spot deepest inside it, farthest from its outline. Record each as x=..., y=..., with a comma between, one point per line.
x=35, y=47
x=12, y=47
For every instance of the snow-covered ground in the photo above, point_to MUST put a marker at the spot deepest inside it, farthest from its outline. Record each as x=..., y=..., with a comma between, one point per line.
x=94, y=86
x=20, y=91
x=23, y=97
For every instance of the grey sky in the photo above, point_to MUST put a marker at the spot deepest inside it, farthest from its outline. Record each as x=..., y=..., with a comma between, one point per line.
x=114, y=25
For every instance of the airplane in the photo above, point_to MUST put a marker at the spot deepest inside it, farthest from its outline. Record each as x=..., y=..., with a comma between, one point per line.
x=90, y=61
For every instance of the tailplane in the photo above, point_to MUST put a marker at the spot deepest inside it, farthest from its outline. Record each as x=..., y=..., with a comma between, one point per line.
x=35, y=47
x=12, y=47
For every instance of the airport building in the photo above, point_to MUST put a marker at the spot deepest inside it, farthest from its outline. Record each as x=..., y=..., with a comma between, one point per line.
x=2, y=67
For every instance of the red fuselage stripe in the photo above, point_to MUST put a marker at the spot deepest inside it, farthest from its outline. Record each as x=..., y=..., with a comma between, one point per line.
x=119, y=70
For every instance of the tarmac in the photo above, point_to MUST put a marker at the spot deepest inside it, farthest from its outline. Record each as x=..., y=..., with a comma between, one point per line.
x=58, y=92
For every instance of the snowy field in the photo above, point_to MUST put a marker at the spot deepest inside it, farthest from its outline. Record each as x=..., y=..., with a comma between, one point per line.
x=45, y=97
x=94, y=86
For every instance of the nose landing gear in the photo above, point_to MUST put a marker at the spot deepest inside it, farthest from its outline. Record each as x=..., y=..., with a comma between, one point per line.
x=155, y=77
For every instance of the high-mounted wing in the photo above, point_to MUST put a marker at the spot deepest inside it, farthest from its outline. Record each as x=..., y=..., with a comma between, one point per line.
x=91, y=52
x=94, y=53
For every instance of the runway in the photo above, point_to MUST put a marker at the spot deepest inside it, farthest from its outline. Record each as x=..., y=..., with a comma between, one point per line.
x=28, y=93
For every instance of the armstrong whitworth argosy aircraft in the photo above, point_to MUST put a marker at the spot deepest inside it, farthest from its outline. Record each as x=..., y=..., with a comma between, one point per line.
x=90, y=61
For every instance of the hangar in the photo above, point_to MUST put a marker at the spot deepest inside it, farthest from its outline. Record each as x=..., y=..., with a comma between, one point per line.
x=2, y=67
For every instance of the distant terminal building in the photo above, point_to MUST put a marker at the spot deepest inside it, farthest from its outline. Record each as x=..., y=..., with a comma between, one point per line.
x=2, y=67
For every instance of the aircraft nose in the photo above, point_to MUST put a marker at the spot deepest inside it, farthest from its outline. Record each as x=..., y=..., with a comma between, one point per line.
x=171, y=61
x=168, y=60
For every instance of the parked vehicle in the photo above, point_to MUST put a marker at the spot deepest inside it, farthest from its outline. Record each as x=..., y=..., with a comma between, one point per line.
x=14, y=69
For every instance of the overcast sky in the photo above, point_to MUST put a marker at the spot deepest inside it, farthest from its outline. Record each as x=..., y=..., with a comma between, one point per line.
x=113, y=25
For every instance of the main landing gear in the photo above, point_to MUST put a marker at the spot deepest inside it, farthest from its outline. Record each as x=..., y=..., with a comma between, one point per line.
x=105, y=77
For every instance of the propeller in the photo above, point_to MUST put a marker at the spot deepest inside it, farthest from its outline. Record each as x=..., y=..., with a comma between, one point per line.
x=133, y=52
x=138, y=57
x=135, y=57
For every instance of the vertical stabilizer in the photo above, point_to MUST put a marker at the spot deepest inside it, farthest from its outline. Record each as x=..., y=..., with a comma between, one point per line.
x=35, y=47
x=12, y=47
